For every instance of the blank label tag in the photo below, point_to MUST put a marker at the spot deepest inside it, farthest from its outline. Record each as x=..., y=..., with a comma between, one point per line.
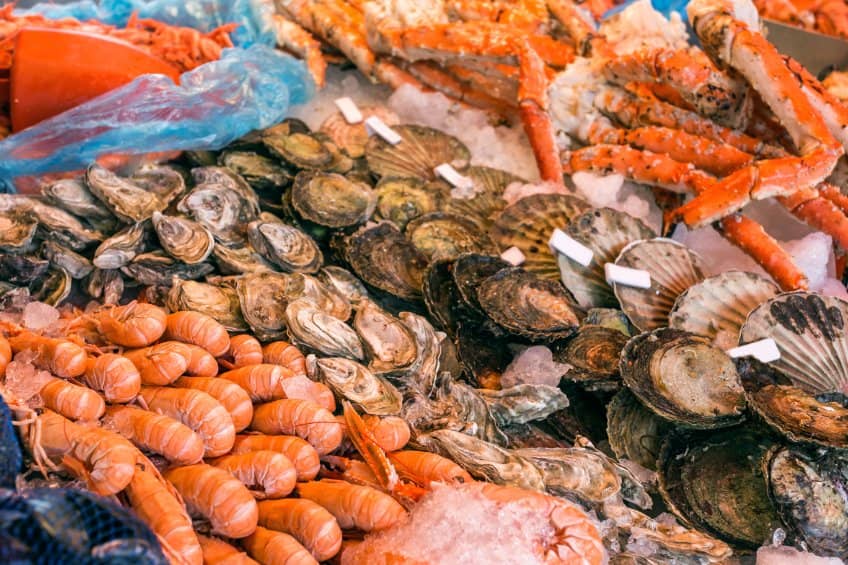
x=573, y=249
x=513, y=256
x=764, y=351
x=376, y=126
x=626, y=276
x=348, y=108
x=447, y=172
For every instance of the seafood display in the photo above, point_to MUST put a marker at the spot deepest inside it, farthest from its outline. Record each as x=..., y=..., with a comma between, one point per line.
x=824, y=16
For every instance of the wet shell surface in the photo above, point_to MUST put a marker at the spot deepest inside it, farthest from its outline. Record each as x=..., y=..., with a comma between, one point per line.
x=487, y=201
x=420, y=151
x=469, y=271
x=593, y=354
x=354, y=382
x=528, y=225
x=219, y=302
x=401, y=200
x=260, y=172
x=126, y=200
x=446, y=236
x=302, y=150
x=331, y=200
x=317, y=330
x=606, y=232
x=262, y=297
x=634, y=432
x=683, y=378
x=673, y=268
x=717, y=306
x=352, y=138
x=183, y=239
x=118, y=250
x=17, y=232
x=389, y=343
x=345, y=283
x=286, y=246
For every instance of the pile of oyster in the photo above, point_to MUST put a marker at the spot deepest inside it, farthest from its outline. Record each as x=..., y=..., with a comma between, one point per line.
x=354, y=250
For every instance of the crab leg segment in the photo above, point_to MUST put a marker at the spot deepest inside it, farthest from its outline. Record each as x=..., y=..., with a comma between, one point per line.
x=297, y=40
x=577, y=23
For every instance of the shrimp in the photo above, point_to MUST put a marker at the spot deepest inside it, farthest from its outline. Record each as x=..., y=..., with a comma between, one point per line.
x=354, y=506
x=267, y=474
x=160, y=364
x=261, y=381
x=303, y=456
x=198, y=329
x=391, y=433
x=72, y=401
x=302, y=418
x=61, y=357
x=230, y=395
x=285, y=354
x=133, y=325
x=5, y=355
x=197, y=410
x=304, y=388
x=278, y=548
x=154, y=432
x=113, y=375
x=201, y=363
x=157, y=507
x=424, y=468
x=103, y=458
x=218, y=496
x=309, y=523
x=245, y=350
x=218, y=552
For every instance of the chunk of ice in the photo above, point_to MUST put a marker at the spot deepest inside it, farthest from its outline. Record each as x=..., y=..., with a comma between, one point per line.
x=813, y=255
x=38, y=315
x=785, y=555
x=534, y=365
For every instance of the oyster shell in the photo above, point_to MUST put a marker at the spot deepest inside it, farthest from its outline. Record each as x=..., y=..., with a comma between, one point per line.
x=422, y=372
x=183, y=239
x=717, y=306
x=218, y=302
x=238, y=260
x=401, y=200
x=574, y=471
x=331, y=200
x=634, y=432
x=529, y=306
x=260, y=172
x=73, y=196
x=345, y=283
x=606, y=232
x=441, y=296
x=594, y=354
x=159, y=268
x=483, y=355
x=55, y=223
x=77, y=266
x=469, y=271
x=227, y=178
x=420, y=151
x=221, y=210
x=352, y=138
x=528, y=225
x=286, y=246
x=383, y=258
x=118, y=250
x=349, y=380
x=487, y=202
x=317, y=330
x=301, y=150
x=52, y=288
x=523, y=403
x=21, y=269
x=17, y=232
x=262, y=297
x=164, y=181
x=341, y=163
x=446, y=236
x=125, y=199
x=683, y=378
x=388, y=342
x=105, y=284
x=325, y=297
x=673, y=268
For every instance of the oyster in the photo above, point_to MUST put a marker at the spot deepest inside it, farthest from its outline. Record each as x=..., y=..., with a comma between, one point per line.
x=446, y=236
x=345, y=283
x=238, y=260
x=127, y=200
x=77, y=266
x=606, y=232
x=325, y=297
x=441, y=296
x=52, y=288
x=17, y=232
x=574, y=471
x=350, y=380
x=159, y=268
x=317, y=330
x=286, y=246
x=673, y=268
x=384, y=259
x=118, y=250
x=331, y=200
x=21, y=269
x=260, y=172
x=483, y=355
x=683, y=378
x=183, y=239
x=594, y=354
x=218, y=302
x=388, y=342
x=262, y=297
x=340, y=163
x=299, y=149
x=352, y=138
x=164, y=181
x=421, y=373
x=421, y=150
x=717, y=306
x=55, y=223
x=634, y=432
x=401, y=200
x=715, y=483
x=105, y=284
x=523, y=403
x=221, y=210
x=529, y=306
x=73, y=196
x=226, y=178
x=528, y=225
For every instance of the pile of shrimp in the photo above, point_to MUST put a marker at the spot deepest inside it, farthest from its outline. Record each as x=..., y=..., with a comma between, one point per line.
x=223, y=446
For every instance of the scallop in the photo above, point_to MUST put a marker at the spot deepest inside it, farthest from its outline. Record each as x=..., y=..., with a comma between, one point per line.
x=420, y=151
x=487, y=201
x=352, y=138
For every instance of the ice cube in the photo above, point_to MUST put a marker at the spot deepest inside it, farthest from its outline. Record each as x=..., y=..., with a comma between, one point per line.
x=38, y=315
x=534, y=365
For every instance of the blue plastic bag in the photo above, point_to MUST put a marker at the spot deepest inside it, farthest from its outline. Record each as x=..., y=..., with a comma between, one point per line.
x=214, y=104
x=253, y=16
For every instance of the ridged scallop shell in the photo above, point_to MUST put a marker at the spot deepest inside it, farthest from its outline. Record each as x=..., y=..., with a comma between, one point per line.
x=606, y=232
x=528, y=225
x=717, y=306
x=421, y=150
x=673, y=268
x=487, y=202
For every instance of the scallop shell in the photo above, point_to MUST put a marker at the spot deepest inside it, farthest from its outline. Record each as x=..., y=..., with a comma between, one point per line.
x=331, y=200
x=352, y=138
x=421, y=150
x=487, y=202
x=673, y=268
x=446, y=236
x=634, y=432
x=528, y=225
x=717, y=306
x=401, y=200
x=606, y=232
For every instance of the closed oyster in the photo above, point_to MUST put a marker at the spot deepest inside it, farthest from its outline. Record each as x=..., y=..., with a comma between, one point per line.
x=325, y=297
x=218, y=302
x=164, y=181
x=446, y=236
x=73, y=196
x=260, y=172
x=441, y=295
x=683, y=378
x=17, y=232
x=352, y=138
x=222, y=210
x=421, y=373
x=77, y=266
x=349, y=380
x=55, y=223
x=125, y=199
x=421, y=150
x=118, y=250
x=523, y=403
x=634, y=432
x=21, y=269
x=301, y=150
x=183, y=239
x=345, y=283
x=388, y=342
x=606, y=232
x=594, y=354
x=158, y=268
x=238, y=260
x=673, y=268
x=382, y=257
x=574, y=471
x=469, y=271
x=529, y=224
x=340, y=163
x=401, y=200
x=717, y=306
x=331, y=200
x=52, y=288
x=715, y=483
x=483, y=355
x=529, y=306
x=286, y=246
x=262, y=297
x=312, y=327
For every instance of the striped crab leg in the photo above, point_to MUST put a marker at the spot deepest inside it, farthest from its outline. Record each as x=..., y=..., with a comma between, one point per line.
x=299, y=41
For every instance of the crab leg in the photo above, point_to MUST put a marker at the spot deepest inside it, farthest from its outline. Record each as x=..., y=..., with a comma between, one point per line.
x=434, y=76
x=491, y=79
x=578, y=24
x=297, y=40
x=832, y=17
x=530, y=15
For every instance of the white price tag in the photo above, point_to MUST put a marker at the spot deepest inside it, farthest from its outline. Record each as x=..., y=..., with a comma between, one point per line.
x=376, y=126
x=349, y=110
x=447, y=172
x=571, y=248
x=764, y=350
x=513, y=256
x=626, y=276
